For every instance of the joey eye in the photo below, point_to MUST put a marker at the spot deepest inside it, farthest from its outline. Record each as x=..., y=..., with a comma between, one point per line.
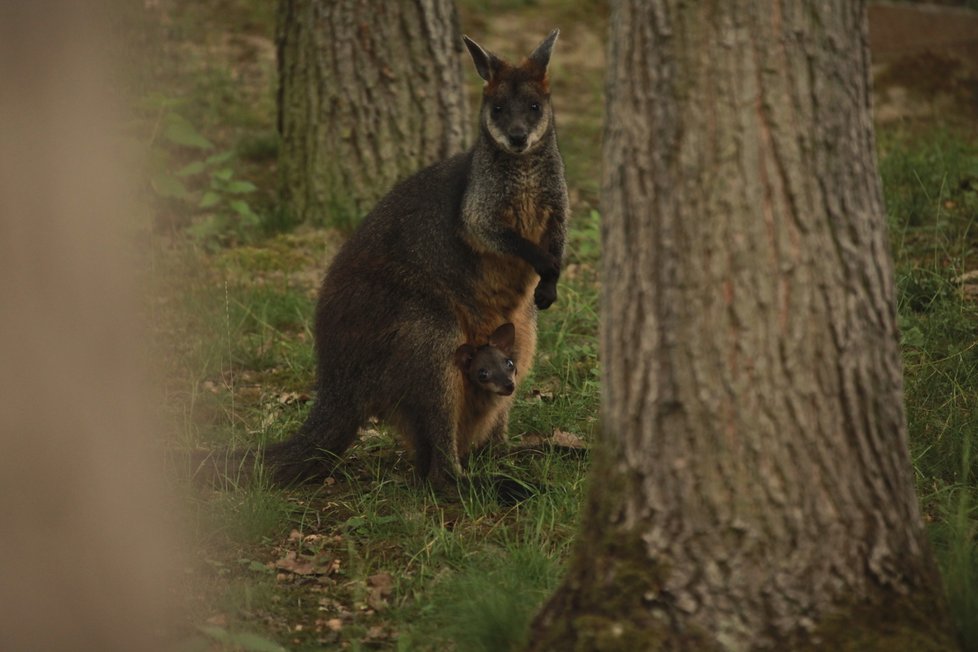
x=509, y=365
x=535, y=107
x=497, y=108
x=483, y=375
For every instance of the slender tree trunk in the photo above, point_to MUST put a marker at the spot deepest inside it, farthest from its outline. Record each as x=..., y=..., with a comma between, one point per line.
x=369, y=92
x=754, y=489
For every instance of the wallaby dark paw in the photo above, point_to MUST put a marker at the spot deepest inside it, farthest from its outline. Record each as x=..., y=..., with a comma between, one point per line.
x=506, y=489
x=545, y=294
x=510, y=491
x=552, y=272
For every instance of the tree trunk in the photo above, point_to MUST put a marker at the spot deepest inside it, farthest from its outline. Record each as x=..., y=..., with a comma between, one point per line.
x=369, y=92
x=753, y=489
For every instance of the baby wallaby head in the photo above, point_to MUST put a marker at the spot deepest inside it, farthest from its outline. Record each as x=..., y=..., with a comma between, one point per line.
x=516, y=111
x=490, y=366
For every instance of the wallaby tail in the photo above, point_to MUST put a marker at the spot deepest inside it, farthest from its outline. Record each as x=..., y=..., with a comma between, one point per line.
x=309, y=455
x=312, y=452
x=294, y=461
x=283, y=463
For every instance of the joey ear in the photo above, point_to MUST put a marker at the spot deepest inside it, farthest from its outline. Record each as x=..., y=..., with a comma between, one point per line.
x=464, y=355
x=503, y=338
x=541, y=56
x=486, y=62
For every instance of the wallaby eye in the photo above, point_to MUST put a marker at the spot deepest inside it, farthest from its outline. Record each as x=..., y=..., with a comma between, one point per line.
x=535, y=107
x=509, y=365
x=483, y=375
x=497, y=108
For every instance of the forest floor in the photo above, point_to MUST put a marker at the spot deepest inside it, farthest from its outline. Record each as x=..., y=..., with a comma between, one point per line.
x=369, y=560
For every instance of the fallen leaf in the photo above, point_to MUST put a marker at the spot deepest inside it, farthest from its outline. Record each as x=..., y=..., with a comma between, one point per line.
x=531, y=440
x=966, y=277
x=335, y=624
x=220, y=620
x=318, y=564
x=567, y=439
x=381, y=585
x=288, y=398
x=541, y=395
x=252, y=392
x=369, y=433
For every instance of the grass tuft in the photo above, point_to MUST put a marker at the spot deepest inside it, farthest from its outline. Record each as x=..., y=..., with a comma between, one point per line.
x=487, y=607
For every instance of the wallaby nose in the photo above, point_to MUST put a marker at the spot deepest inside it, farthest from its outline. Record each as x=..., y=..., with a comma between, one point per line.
x=517, y=139
x=508, y=388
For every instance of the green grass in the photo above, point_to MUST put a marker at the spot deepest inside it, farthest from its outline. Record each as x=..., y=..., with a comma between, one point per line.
x=487, y=606
x=930, y=179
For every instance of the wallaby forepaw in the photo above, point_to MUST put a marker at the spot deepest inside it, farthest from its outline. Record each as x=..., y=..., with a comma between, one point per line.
x=510, y=491
x=545, y=295
x=553, y=269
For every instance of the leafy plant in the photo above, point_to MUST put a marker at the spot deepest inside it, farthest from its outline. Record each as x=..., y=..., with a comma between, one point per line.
x=206, y=185
x=228, y=212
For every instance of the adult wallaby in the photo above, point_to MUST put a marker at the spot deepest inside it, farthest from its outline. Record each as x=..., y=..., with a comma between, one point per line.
x=449, y=254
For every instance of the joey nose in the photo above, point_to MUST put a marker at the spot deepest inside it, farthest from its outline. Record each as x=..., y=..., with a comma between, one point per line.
x=508, y=389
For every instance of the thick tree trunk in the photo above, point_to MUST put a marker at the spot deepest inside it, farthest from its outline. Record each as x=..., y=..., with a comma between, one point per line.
x=369, y=92
x=755, y=489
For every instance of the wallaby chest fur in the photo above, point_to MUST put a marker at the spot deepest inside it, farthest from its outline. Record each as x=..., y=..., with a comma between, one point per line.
x=521, y=196
x=449, y=255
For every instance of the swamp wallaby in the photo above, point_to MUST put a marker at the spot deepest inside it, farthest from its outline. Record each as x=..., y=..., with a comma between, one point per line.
x=449, y=254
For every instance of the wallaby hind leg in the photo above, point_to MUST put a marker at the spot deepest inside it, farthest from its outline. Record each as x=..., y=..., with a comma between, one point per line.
x=311, y=453
x=432, y=432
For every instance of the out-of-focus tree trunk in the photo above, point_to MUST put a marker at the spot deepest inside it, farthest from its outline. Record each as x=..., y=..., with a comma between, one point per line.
x=86, y=554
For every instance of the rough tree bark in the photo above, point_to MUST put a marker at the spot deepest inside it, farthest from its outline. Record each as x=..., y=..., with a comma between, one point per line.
x=368, y=93
x=754, y=488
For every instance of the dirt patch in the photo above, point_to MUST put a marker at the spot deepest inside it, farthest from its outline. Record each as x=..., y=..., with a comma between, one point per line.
x=925, y=61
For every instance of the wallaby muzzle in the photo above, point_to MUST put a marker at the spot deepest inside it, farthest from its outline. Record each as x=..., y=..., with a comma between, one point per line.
x=518, y=139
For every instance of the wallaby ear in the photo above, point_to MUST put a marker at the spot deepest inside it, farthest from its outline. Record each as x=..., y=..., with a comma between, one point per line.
x=541, y=56
x=464, y=355
x=486, y=63
x=503, y=338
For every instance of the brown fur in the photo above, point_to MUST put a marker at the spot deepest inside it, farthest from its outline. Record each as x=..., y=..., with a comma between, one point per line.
x=507, y=75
